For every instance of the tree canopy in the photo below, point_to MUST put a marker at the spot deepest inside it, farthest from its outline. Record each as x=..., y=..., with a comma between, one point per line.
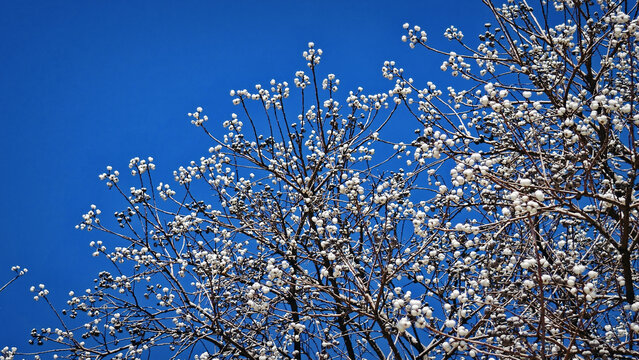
x=506, y=227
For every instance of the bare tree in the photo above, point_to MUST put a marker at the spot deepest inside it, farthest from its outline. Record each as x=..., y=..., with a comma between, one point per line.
x=507, y=227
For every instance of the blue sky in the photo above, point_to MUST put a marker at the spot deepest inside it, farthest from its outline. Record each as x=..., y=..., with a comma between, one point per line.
x=85, y=84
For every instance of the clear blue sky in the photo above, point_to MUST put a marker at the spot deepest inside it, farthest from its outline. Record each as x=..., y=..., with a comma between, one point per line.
x=85, y=84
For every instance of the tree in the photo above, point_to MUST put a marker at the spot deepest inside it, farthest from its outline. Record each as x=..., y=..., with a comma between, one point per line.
x=506, y=228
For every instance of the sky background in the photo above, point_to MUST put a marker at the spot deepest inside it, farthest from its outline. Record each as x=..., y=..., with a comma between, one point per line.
x=85, y=84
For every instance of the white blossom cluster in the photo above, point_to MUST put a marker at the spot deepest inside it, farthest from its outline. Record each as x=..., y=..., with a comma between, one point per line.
x=19, y=271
